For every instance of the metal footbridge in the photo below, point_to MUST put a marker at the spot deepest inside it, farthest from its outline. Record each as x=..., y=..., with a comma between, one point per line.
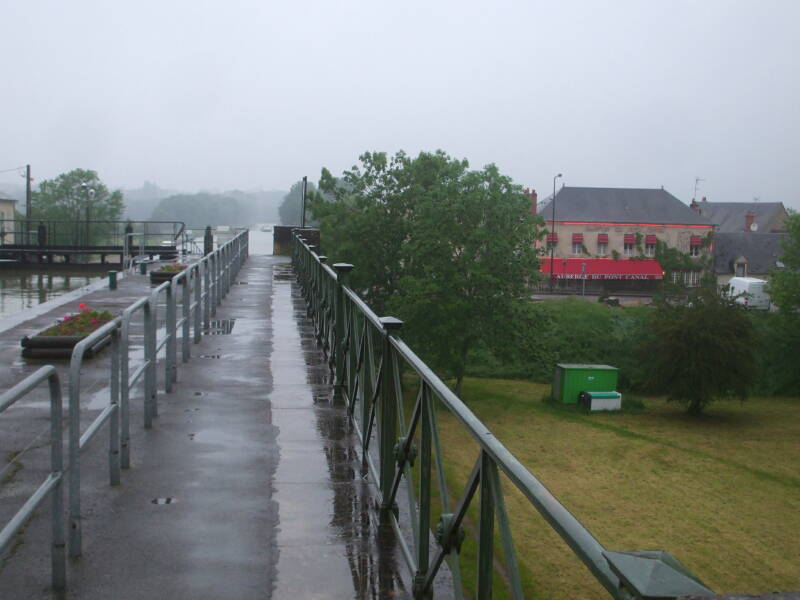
x=255, y=430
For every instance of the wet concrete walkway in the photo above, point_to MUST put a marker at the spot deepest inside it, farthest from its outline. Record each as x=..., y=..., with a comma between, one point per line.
x=266, y=495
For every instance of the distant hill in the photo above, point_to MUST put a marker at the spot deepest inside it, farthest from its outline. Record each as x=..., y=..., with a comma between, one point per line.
x=235, y=207
x=140, y=202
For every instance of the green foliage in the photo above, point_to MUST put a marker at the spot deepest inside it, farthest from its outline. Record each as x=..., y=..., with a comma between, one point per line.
x=700, y=351
x=292, y=204
x=777, y=340
x=199, y=210
x=447, y=249
x=75, y=197
x=571, y=330
x=83, y=323
x=784, y=284
x=173, y=268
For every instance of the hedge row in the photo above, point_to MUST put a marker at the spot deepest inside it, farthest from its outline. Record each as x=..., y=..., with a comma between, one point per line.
x=577, y=331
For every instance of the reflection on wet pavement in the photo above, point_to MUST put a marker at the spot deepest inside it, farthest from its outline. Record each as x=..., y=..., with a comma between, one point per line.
x=330, y=542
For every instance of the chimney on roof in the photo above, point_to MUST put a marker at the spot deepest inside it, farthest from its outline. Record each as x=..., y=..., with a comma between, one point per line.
x=695, y=206
x=534, y=199
x=704, y=198
x=749, y=220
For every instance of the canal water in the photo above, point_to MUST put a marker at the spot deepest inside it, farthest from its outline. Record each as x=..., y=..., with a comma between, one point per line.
x=24, y=289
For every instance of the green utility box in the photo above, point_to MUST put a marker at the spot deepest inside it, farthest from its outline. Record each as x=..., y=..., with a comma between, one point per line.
x=570, y=380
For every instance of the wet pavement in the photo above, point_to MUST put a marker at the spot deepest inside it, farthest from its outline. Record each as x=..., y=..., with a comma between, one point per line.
x=249, y=485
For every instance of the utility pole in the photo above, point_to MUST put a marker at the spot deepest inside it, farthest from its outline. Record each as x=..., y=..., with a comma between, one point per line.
x=28, y=207
x=303, y=216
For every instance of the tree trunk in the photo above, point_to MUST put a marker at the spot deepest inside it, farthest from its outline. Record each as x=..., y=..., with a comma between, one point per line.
x=462, y=367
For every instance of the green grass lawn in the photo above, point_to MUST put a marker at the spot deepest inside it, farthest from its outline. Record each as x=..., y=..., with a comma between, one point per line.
x=720, y=492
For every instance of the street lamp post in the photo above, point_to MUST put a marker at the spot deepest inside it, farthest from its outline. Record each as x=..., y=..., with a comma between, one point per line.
x=553, y=231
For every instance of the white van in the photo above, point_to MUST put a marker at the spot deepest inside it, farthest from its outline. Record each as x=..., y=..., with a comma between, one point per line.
x=750, y=292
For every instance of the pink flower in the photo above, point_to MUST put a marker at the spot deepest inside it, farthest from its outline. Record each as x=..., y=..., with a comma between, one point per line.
x=67, y=318
x=95, y=321
x=83, y=307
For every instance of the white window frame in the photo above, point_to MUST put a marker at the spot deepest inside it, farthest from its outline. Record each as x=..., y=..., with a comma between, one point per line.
x=628, y=249
x=577, y=248
x=602, y=248
x=691, y=278
x=694, y=250
x=650, y=250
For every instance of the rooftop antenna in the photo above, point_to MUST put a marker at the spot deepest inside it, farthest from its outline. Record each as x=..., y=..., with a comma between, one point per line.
x=697, y=180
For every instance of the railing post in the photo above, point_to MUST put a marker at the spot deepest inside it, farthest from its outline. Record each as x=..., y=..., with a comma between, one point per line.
x=486, y=530
x=186, y=315
x=424, y=524
x=124, y=369
x=151, y=374
x=387, y=417
x=170, y=368
x=207, y=297
x=367, y=379
x=217, y=279
x=342, y=270
x=197, y=287
x=58, y=548
x=319, y=295
x=113, y=422
x=74, y=458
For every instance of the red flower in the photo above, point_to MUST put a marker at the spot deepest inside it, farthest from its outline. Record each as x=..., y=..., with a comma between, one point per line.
x=83, y=307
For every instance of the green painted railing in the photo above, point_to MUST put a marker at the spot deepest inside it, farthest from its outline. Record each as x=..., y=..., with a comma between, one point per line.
x=366, y=355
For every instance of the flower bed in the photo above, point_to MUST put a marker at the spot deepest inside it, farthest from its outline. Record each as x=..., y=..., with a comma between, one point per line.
x=59, y=340
x=166, y=273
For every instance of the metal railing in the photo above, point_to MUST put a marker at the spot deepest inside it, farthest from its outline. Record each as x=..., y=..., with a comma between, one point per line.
x=53, y=484
x=78, y=233
x=204, y=285
x=366, y=355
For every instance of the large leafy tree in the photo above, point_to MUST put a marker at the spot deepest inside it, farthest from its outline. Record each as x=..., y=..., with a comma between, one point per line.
x=784, y=284
x=699, y=351
x=68, y=196
x=448, y=249
x=291, y=207
x=74, y=198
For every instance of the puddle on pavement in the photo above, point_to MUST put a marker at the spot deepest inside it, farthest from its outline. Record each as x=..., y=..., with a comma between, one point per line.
x=220, y=327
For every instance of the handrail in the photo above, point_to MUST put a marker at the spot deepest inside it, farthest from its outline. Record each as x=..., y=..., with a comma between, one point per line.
x=355, y=338
x=207, y=281
x=53, y=484
x=74, y=233
x=218, y=269
x=213, y=273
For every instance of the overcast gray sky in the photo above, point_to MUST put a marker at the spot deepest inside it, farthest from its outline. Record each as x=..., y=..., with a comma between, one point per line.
x=194, y=94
